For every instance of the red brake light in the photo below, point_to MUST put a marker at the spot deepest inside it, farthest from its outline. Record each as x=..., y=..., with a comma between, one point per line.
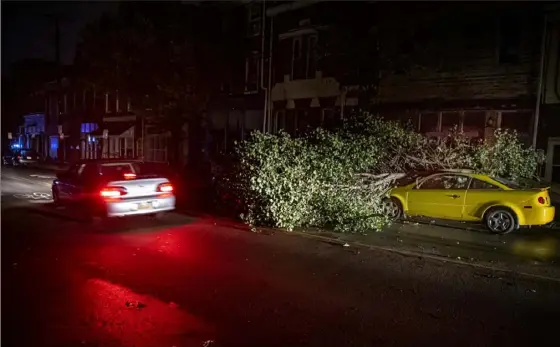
x=112, y=192
x=165, y=188
x=541, y=200
x=129, y=176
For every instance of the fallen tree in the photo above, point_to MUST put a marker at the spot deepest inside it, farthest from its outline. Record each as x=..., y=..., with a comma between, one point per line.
x=338, y=179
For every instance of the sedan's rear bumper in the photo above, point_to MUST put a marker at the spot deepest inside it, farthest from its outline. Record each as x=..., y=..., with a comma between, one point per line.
x=140, y=206
x=540, y=216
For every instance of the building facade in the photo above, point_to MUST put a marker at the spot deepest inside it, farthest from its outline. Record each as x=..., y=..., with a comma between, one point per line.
x=445, y=69
x=83, y=122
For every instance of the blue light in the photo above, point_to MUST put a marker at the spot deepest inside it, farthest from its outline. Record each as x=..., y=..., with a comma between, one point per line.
x=54, y=143
x=15, y=145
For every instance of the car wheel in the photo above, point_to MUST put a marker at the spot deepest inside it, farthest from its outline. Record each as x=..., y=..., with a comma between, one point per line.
x=500, y=221
x=392, y=208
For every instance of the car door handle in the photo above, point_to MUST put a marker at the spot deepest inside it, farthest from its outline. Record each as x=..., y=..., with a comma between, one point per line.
x=453, y=196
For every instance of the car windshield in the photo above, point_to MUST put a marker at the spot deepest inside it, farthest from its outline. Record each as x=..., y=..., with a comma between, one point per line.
x=507, y=183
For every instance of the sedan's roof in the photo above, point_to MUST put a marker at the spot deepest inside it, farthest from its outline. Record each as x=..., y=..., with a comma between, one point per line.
x=108, y=161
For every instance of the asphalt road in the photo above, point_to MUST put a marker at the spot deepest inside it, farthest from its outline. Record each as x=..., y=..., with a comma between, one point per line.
x=189, y=281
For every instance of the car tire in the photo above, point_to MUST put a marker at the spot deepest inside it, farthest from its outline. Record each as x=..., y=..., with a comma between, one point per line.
x=392, y=208
x=501, y=220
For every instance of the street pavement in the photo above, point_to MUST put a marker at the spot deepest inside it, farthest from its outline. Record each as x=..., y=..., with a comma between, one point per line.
x=200, y=281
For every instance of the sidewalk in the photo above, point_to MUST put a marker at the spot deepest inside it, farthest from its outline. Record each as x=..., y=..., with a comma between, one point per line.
x=532, y=252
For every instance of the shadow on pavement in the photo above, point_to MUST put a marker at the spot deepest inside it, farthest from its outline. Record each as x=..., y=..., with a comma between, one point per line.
x=82, y=223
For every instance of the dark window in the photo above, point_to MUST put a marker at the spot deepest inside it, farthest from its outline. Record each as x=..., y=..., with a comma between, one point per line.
x=429, y=122
x=254, y=28
x=255, y=12
x=409, y=120
x=312, y=56
x=445, y=182
x=299, y=64
x=297, y=48
x=122, y=148
x=252, y=73
x=99, y=102
x=481, y=185
x=509, y=45
x=519, y=121
x=112, y=103
x=290, y=124
x=88, y=100
x=331, y=119
x=449, y=120
x=474, y=121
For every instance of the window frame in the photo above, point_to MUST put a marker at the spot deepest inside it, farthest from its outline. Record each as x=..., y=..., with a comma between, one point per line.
x=476, y=179
x=419, y=185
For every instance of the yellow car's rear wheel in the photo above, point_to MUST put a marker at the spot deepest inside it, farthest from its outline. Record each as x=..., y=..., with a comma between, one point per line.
x=501, y=220
x=392, y=208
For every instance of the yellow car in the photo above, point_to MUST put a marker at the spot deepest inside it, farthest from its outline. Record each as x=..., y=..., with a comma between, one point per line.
x=501, y=205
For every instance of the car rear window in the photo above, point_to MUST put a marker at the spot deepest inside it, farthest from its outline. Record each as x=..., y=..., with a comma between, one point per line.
x=116, y=171
x=507, y=183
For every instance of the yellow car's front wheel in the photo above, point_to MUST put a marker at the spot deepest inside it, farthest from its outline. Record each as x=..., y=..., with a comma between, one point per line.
x=392, y=208
x=500, y=220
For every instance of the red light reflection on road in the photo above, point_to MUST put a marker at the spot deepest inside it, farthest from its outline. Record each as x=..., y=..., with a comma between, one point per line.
x=141, y=320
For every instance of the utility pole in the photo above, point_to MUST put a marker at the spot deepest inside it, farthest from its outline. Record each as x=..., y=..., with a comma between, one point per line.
x=56, y=19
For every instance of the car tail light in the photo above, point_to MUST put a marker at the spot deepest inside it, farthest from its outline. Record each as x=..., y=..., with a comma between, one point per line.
x=110, y=193
x=541, y=200
x=129, y=176
x=165, y=188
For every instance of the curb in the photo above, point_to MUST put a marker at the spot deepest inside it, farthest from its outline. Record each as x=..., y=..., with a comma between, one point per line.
x=406, y=253
x=418, y=254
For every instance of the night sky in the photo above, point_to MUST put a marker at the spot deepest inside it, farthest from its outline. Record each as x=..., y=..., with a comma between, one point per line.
x=27, y=32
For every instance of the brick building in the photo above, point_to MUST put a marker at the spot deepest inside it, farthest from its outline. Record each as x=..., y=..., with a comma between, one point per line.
x=83, y=122
x=461, y=64
x=479, y=68
x=292, y=76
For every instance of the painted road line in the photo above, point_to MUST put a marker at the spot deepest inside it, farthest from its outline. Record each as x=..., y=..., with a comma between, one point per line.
x=43, y=176
x=28, y=180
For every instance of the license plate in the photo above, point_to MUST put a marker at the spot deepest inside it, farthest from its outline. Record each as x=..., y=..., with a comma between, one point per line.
x=144, y=206
x=29, y=158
